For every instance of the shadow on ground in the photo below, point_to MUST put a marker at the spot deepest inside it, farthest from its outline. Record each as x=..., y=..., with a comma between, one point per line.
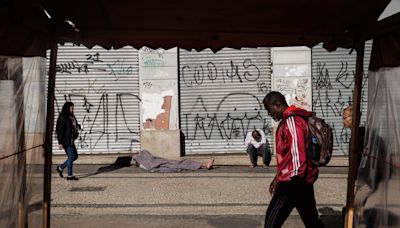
x=121, y=162
x=237, y=222
x=331, y=218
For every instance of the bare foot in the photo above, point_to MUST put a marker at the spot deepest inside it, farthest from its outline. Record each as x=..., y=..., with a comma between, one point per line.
x=252, y=166
x=210, y=163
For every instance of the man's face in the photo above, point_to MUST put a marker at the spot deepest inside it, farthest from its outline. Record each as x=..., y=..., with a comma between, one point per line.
x=274, y=111
x=347, y=118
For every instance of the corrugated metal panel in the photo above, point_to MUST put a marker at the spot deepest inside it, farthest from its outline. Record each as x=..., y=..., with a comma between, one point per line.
x=104, y=86
x=333, y=83
x=221, y=97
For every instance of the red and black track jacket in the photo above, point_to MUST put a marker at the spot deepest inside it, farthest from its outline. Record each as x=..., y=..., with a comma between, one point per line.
x=291, y=151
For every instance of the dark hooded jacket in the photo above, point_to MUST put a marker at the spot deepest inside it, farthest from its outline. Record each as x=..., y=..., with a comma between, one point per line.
x=66, y=132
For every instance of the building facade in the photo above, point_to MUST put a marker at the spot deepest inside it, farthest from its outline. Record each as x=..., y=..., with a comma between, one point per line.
x=179, y=102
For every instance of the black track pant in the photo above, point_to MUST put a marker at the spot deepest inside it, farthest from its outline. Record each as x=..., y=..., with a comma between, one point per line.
x=298, y=194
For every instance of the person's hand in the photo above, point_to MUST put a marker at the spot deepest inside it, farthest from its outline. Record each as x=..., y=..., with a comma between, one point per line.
x=272, y=187
x=60, y=146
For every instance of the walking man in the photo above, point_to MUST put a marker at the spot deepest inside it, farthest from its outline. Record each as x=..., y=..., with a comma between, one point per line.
x=292, y=186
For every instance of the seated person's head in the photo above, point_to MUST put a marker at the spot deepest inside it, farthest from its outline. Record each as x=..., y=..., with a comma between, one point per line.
x=347, y=116
x=256, y=135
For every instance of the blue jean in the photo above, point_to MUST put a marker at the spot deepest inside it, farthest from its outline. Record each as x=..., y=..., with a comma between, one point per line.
x=72, y=154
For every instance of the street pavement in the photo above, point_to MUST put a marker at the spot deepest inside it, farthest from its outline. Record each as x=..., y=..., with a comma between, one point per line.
x=226, y=196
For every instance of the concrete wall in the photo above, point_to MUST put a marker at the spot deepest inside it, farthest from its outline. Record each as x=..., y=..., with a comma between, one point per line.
x=159, y=128
x=163, y=143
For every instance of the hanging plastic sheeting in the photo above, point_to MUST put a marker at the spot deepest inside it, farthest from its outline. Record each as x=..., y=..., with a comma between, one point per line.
x=22, y=130
x=377, y=198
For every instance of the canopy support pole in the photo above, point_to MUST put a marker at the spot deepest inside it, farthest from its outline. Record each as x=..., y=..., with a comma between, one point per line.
x=353, y=150
x=49, y=136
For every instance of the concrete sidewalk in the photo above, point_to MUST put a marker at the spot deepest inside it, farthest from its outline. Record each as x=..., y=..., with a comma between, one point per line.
x=226, y=196
x=220, y=159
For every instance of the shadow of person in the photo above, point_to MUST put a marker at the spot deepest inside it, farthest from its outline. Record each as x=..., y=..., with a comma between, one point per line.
x=121, y=162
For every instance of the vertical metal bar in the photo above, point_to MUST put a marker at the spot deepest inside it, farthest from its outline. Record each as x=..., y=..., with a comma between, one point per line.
x=49, y=136
x=353, y=150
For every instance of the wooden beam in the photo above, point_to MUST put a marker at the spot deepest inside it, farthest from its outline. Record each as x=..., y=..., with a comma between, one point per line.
x=49, y=137
x=353, y=150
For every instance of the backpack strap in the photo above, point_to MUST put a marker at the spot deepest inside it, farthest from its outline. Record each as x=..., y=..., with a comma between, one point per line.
x=304, y=117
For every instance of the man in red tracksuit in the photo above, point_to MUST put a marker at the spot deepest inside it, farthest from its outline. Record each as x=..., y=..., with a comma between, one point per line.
x=292, y=186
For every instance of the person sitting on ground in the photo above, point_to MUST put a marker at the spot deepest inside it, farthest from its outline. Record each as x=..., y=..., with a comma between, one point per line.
x=256, y=145
x=153, y=163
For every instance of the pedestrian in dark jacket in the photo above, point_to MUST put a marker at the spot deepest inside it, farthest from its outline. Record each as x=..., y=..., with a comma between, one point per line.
x=67, y=131
x=292, y=186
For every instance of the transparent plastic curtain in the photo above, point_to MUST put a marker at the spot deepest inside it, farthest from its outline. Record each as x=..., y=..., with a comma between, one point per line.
x=22, y=130
x=377, y=198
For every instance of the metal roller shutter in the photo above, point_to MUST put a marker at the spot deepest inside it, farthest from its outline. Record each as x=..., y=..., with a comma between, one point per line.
x=104, y=86
x=221, y=98
x=332, y=88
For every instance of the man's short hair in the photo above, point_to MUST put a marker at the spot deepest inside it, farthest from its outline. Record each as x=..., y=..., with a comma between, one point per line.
x=274, y=97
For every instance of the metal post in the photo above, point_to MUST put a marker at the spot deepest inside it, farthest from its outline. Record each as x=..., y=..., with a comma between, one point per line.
x=49, y=136
x=353, y=150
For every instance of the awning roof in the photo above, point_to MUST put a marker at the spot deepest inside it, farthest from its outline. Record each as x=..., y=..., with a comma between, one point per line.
x=26, y=30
